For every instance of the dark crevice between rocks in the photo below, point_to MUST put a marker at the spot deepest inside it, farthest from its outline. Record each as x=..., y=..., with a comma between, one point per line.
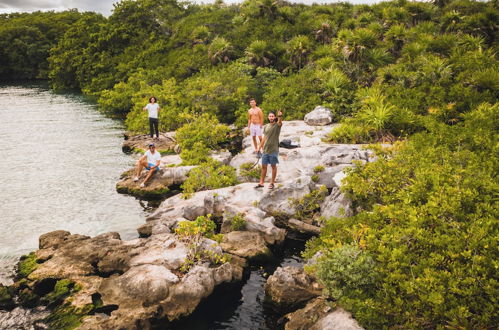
x=44, y=286
x=242, y=305
x=100, y=307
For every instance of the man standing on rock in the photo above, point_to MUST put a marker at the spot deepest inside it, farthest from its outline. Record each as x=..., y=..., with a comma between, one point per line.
x=255, y=123
x=150, y=161
x=153, y=110
x=270, y=145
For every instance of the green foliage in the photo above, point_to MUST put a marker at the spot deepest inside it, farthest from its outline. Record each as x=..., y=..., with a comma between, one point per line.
x=210, y=175
x=26, y=39
x=194, y=232
x=237, y=222
x=250, y=172
x=309, y=205
x=318, y=169
x=426, y=239
x=27, y=264
x=198, y=136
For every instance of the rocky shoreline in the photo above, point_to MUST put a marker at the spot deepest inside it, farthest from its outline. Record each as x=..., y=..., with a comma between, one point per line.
x=104, y=282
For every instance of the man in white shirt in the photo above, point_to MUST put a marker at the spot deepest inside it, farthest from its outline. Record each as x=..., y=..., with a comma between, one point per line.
x=150, y=161
x=153, y=110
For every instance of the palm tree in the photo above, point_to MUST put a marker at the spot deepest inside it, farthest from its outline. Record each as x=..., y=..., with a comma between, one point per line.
x=324, y=34
x=258, y=53
x=268, y=8
x=219, y=50
x=298, y=49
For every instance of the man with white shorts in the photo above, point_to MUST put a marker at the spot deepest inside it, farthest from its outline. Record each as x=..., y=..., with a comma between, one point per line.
x=255, y=123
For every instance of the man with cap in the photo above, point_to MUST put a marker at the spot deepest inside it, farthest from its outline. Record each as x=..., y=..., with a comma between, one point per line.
x=150, y=161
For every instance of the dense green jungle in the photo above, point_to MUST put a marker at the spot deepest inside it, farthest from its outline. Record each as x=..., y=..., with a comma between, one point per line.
x=417, y=81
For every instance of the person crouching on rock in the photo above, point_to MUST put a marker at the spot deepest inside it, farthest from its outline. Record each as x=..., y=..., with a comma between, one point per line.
x=153, y=110
x=270, y=145
x=150, y=161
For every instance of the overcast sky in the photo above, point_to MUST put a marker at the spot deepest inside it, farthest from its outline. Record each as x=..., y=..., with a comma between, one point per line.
x=102, y=6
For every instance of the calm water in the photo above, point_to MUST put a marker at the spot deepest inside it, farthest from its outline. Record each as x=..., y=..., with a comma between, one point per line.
x=60, y=161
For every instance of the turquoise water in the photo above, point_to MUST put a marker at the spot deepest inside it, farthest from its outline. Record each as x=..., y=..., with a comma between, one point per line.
x=60, y=161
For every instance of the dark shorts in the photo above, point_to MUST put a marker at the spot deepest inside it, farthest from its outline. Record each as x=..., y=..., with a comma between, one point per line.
x=270, y=159
x=150, y=165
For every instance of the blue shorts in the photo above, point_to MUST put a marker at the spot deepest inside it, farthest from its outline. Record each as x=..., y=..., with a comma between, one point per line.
x=270, y=159
x=150, y=165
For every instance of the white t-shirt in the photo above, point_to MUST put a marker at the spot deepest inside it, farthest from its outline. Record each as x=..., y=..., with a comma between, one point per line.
x=152, y=108
x=153, y=158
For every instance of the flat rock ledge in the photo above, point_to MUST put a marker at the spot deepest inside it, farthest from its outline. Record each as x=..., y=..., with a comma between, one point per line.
x=166, y=143
x=158, y=186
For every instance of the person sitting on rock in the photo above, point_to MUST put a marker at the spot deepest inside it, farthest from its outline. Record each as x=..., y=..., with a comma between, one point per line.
x=150, y=161
x=270, y=145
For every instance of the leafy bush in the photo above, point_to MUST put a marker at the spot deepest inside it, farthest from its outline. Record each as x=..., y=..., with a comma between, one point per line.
x=426, y=236
x=194, y=232
x=250, y=172
x=210, y=175
x=198, y=136
x=238, y=222
x=309, y=205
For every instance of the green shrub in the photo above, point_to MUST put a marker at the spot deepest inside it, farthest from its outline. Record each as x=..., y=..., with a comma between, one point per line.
x=249, y=172
x=318, y=169
x=309, y=205
x=198, y=136
x=426, y=237
x=194, y=232
x=210, y=175
x=238, y=222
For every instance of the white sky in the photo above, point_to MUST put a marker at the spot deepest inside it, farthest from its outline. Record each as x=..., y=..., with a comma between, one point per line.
x=103, y=6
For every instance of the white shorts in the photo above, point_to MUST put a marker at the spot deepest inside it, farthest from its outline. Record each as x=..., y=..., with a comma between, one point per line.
x=256, y=130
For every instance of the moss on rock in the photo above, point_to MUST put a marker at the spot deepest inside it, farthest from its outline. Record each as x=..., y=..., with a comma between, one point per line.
x=6, y=297
x=26, y=265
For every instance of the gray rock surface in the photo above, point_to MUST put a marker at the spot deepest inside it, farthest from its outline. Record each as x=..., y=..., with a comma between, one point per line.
x=336, y=205
x=320, y=116
x=245, y=244
x=140, y=143
x=290, y=288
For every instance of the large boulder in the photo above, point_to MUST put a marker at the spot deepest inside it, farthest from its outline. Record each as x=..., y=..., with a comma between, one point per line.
x=339, y=319
x=290, y=288
x=320, y=116
x=319, y=315
x=158, y=186
x=336, y=205
x=306, y=317
x=245, y=244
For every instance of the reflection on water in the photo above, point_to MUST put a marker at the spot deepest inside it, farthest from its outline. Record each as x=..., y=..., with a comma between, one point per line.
x=59, y=162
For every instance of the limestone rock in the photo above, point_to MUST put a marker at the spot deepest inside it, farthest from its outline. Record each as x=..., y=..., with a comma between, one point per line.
x=320, y=116
x=52, y=239
x=245, y=244
x=337, y=320
x=277, y=199
x=290, y=288
x=336, y=205
x=140, y=143
x=306, y=318
x=158, y=185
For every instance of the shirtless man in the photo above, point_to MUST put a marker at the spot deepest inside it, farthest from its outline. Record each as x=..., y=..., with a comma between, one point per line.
x=255, y=123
